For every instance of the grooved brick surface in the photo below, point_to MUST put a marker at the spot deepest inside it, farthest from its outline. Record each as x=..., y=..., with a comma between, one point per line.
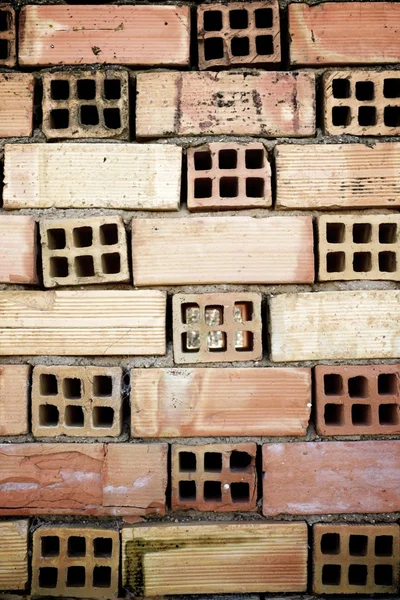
x=84, y=251
x=76, y=401
x=8, y=52
x=17, y=249
x=239, y=33
x=14, y=555
x=16, y=104
x=14, y=399
x=355, y=559
x=214, y=477
x=224, y=175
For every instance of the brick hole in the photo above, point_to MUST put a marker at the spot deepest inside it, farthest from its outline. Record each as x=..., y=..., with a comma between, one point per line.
x=228, y=187
x=203, y=161
x=112, y=89
x=72, y=388
x=74, y=416
x=387, y=233
x=244, y=341
x=366, y=116
x=240, y=491
x=362, y=233
x=387, y=262
x=387, y=384
x=213, y=462
x=263, y=18
x=82, y=237
x=239, y=461
x=103, y=416
x=383, y=575
x=391, y=116
x=331, y=574
x=48, y=415
x=335, y=262
x=264, y=45
x=89, y=115
x=358, y=545
x=365, y=90
x=212, y=20
x=190, y=313
x=341, y=116
x=56, y=239
x=5, y=20
x=391, y=88
x=216, y=341
x=330, y=543
x=361, y=414
x=86, y=89
x=203, y=188
x=111, y=263
x=59, y=266
x=341, y=88
x=112, y=118
x=362, y=262
x=254, y=159
x=335, y=233
x=334, y=414
x=388, y=414
x=238, y=19
x=48, y=385
x=240, y=46
x=59, y=118
x=227, y=159
x=84, y=266
x=5, y=49
x=190, y=341
x=384, y=545
x=48, y=577
x=358, y=574
x=242, y=312
x=213, y=48
x=358, y=387
x=255, y=187
x=109, y=234
x=76, y=577
x=212, y=491
x=50, y=545
x=59, y=89
x=187, y=462
x=102, y=547
x=102, y=577
x=102, y=386
x=76, y=546
x=187, y=491
x=214, y=315
x=333, y=385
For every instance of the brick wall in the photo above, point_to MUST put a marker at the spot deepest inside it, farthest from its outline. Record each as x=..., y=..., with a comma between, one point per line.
x=199, y=301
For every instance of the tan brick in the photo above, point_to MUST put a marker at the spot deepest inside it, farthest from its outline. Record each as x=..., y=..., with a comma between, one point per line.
x=16, y=104
x=312, y=478
x=8, y=52
x=361, y=102
x=14, y=555
x=355, y=559
x=261, y=103
x=76, y=401
x=82, y=562
x=272, y=250
x=241, y=34
x=17, y=249
x=14, y=399
x=124, y=35
x=65, y=323
x=223, y=175
x=335, y=325
x=337, y=176
x=214, y=477
x=84, y=251
x=262, y=557
x=338, y=33
x=98, y=175
x=220, y=402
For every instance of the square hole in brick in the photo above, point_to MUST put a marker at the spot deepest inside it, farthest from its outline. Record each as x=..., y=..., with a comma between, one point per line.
x=202, y=160
x=213, y=315
x=86, y=89
x=387, y=233
x=228, y=187
x=82, y=237
x=76, y=546
x=242, y=312
x=391, y=116
x=56, y=239
x=213, y=48
x=102, y=547
x=358, y=387
x=48, y=415
x=366, y=116
x=388, y=384
x=239, y=461
x=240, y=491
x=187, y=491
x=330, y=543
x=254, y=187
x=213, y=462
x=335, y=233
x=103, y=416
x=240, y=46
x=216, y=341
x=238, y=19
x=212, y=20
x=59, y=89
x=341, y=88
x=334, y=414
x=254, y=159
x=76, y=576
x=264, y=45
x=111, y=263
x=89, y=115
x=391, y=88
x=264, y=18
x=212, y=491
x=331, y=574
x=335, y=262
x=383, y=575
x=203, y=188
x=59, y=266
x=59, y=118
x=190, y=313
x=384, y=545
x=112, y=89
x=358, y=575
x=48, y=577
x=389, y=414
x=102, y=577
x=361, y=414
x=187, y=462
x=48, y=384
x=362, y=262
x=50, y=546
x=358, y=545
x=5, y=49
x=227, y=159
x=109, y=234
x=102, y=386
x=112, y=118
x=5, y=20
x=72, y=388
x=244, y=341
x=190, y=341
x=387, y=262
x=365, y=90
x=74, y=416
x=84, y=266
x=341, y=116
x=333, y=384
x=362, y=233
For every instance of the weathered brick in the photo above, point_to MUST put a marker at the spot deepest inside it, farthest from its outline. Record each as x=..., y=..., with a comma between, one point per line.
x=14, y=555
x=82, y=562
x=214, y=477
x=125, y=35
x=84, y=251
x=17, y=249
x=239, y=33
x=98, y=175
x=335, y=325
x=263, y=557
x=261, y=103
x=220, y=402
x=361, y=102
x=355, y=559
x=339, y=33
x=307, y=478
x=224, y=175
x=216, y=327
x=16, y=104
x=14, y=398
x=272, y=250
x=65, y=323
x=86, y=104
x=336, y=176
x=76, y=401
x=357, y=400
x=8, y=53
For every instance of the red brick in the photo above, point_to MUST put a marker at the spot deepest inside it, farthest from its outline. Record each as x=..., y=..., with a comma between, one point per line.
x=14, y=398
x=331, y=477
x=343, y=33
x=17, y=249
x=16, y=104
x=8, y=52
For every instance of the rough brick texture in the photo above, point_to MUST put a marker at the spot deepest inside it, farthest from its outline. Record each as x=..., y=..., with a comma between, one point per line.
x=14, y=399
x=8, y=52
x=14, y=555
x=16, y=104
x=17, y=249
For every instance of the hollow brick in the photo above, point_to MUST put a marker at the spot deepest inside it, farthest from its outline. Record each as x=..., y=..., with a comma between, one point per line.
x=8, y=52
x=14, y=399
x=16, y=104
x=14, y=555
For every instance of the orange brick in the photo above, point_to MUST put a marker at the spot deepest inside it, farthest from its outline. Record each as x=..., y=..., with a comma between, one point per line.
x=16, y=104
x=309, y=478
x=261, y=103
x=14, y=398
x=17, y=249
x=220, y=402
x=8, y=52
x=341, y=33
x=126, y=35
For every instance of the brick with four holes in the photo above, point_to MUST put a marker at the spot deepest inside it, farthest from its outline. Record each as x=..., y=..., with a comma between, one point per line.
x=8, y=53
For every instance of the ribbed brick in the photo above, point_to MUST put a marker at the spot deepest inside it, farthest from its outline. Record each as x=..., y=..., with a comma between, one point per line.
x=8, y=53
x=309, y=478
x=14, y=398
x=16, y=104
x=14, y=555
x=268, y=104
x=17, y=249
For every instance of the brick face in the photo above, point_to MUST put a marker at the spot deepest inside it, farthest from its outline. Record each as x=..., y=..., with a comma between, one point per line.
x=16, y=104
x=14, y=399
x=14, y=555
x=17, y=249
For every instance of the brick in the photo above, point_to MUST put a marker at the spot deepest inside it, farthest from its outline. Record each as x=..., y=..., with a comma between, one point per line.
x=335, y=176
x=214, y=477
x=344, y=34
x=360, y=102
x=125, y=35
x=216, y=327
x=14, y=555
x=355, y=559
x=76, y=401
x=86, y=104
x=82, y=562
x=65, y=323
x=224, y=175
x=241, y=34
x=357, y=400
x=16, y=104
x=98, y=175
x=313, y=478
x=17, y=249
x=272, y=250
x=217, y=558
x=220, y=402
x=8, y=53
x=259, y=103
x=14, y=398
x=338, y=325
x=84, y=251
